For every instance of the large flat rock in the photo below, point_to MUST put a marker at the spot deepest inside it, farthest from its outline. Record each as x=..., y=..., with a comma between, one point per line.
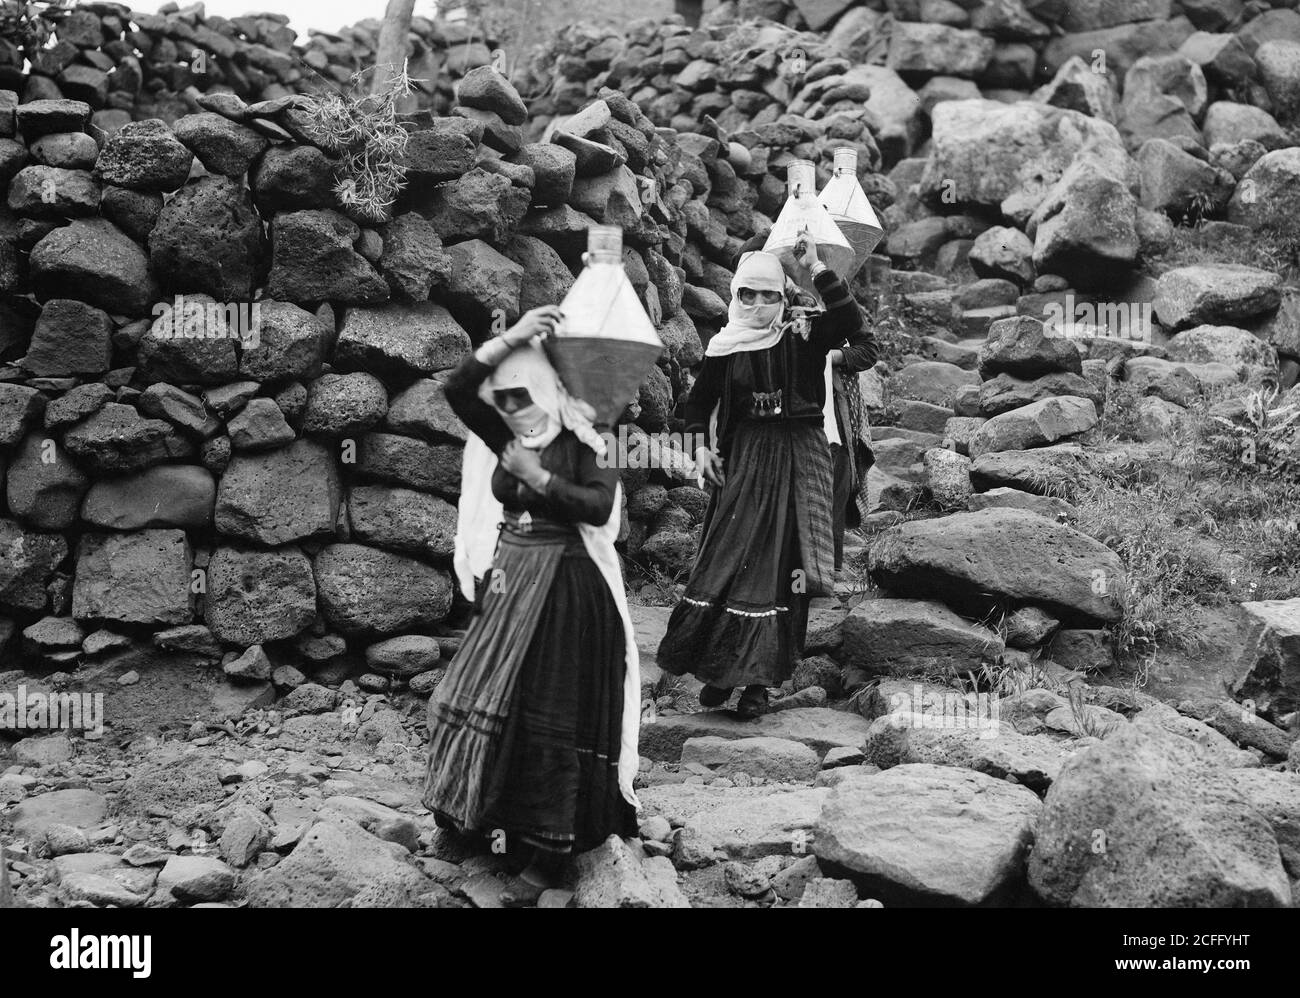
x=1035, y=425
x=820, y=728
x=1011, y=553
x=777, y=760
x=897, y=637
x=280, y=496
x=921, y=833
x=403, y=338
x=1041, y=471
x=1277, y=797
x=983, y=744
x=744, y=822
x=1219, y=294
x=140, y=578
x=83, y=809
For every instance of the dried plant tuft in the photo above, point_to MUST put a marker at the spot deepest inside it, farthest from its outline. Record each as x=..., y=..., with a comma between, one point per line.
x=363, y=131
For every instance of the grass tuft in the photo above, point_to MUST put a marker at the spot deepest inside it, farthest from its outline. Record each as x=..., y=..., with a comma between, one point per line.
x=1197, y=527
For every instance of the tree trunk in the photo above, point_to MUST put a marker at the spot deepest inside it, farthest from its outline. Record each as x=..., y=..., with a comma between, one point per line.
x=391, y=52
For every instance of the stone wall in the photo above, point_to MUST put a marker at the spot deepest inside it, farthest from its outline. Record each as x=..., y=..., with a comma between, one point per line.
x=129, y=65
x=271, y=480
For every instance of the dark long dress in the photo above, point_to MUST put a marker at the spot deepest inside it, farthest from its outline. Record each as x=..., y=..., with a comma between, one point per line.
x=526, y=728
x=767, y=545
x=854, y=459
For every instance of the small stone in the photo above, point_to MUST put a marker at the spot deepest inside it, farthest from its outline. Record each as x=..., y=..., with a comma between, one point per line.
x=655, y=828
x=197, y=878
x=104, y=640
x=789, y=883
x=143, y=854
x=244, y=837
x=259, y=426
x=843, y=755
x=691, y=851
x=403, y=831
x=144, y=155
x=744, y=880
x=252, y=769
x=484, y=891
x=286, y=677
x=195, y=639
x=372, y=683
x=823, y=892
x=64, y=839
x=252, y=665
x=403, y=656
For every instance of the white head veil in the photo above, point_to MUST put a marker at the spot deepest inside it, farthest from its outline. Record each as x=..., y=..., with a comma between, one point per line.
x=752, y=327
x=552, y=409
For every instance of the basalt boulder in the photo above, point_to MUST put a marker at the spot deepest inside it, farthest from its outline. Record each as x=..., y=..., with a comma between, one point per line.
x=1002, y=554
x=208, y=239
x=1144, y=819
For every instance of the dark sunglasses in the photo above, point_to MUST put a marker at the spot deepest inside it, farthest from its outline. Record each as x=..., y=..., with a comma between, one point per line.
x=510, y=400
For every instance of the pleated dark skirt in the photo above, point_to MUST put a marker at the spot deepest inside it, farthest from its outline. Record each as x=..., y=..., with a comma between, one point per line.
x=526, y=728
x=766, y=550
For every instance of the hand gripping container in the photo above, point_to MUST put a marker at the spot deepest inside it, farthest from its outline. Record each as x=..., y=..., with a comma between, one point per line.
x=606, y=344
x=802, y=212
x=846, y=202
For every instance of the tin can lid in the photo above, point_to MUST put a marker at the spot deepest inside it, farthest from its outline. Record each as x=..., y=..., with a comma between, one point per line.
x=605, y=242
x=801, y=176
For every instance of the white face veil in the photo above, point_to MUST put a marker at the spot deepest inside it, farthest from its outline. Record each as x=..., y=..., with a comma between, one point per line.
x=552, y=408
x=538, y=423
x=752, y=327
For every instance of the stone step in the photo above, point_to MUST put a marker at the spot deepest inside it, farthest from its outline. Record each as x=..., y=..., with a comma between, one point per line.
x=742, y=822
x=820, y=728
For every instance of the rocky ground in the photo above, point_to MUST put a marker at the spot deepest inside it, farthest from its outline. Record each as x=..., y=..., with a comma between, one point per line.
x=314, y=801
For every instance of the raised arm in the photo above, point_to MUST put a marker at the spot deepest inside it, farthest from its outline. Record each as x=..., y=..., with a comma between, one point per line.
x=841, y=326
x=461, y=389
